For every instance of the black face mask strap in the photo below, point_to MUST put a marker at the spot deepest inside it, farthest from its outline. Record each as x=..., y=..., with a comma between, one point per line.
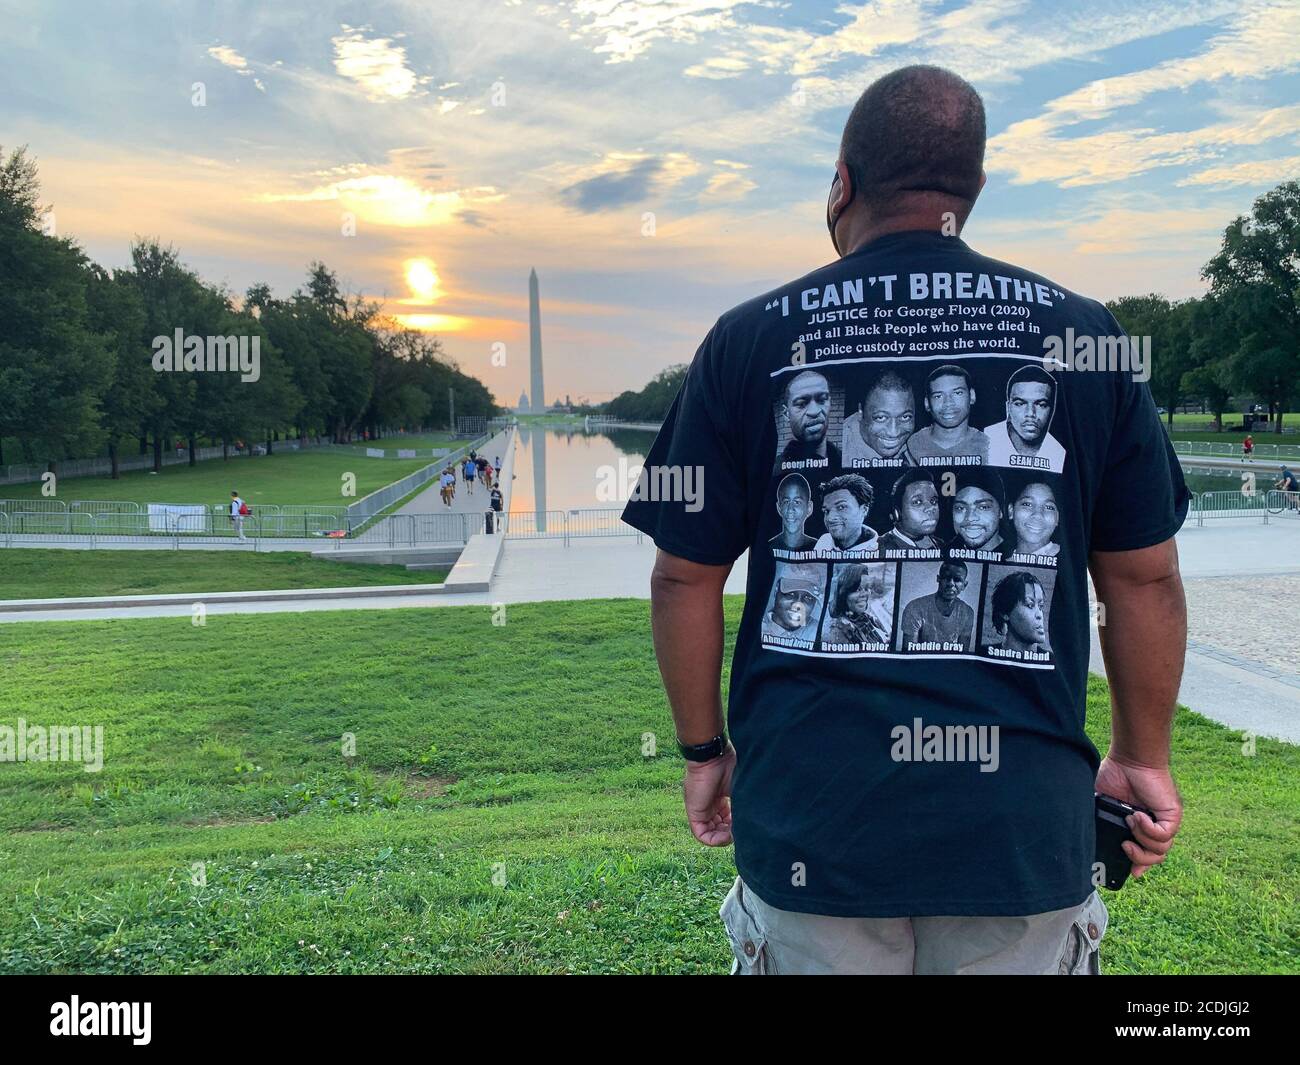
x=830, y=221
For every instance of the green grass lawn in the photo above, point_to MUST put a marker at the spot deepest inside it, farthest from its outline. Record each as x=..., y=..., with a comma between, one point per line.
x=35, y=573
x=229, y=833
x=288, y=477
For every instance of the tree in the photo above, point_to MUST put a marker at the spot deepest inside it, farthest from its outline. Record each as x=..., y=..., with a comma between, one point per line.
x=53, y=365
x=1168, y=326
x=117, y=314
x=1257, y=271
x=1214, y=341
x=652, y=402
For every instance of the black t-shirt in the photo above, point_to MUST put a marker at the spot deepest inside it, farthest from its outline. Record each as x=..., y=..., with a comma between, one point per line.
x=918, y=388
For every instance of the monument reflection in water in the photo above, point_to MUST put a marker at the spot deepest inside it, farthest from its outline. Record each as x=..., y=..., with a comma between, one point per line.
x=564, y=468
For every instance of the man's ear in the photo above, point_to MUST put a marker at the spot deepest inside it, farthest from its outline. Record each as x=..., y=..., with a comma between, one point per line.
x=846, y=187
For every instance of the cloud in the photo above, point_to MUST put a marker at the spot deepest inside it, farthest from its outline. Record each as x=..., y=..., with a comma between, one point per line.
x=228, y=57
x=625, y=29
x=376, y=64
x=615, y=189
x=621, y=178
x=1114, y=155
x=390, y=200
x=1259, y=44
x=1255, y=172
x=728, y=185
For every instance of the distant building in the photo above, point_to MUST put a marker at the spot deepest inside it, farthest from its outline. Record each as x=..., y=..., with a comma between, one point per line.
x=523, y=407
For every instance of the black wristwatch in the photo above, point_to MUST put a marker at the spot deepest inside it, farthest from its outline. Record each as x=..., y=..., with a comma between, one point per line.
x=703, y=752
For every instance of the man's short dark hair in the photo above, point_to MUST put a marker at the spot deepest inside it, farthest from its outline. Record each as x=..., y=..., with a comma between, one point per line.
x=854, y=483
x=785, y=397
x=948, y=369
x=912, y=475
x=986, y=480
x=1032, y=373
x=952, y=565
x=889, y=381
x=918, y=129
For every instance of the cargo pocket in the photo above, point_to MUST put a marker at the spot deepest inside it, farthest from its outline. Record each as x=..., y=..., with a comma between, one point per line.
x=1082, y=942
x=748, y=937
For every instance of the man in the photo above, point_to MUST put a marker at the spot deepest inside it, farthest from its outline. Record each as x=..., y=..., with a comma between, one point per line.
x=949, y=396
x=849, y=860
x=794, y=504
x=878, y=434
x=915, y=512
x=1288, y=483
x=808, y=413
x=977, y=510
x=237, y=515
x=845, y=502
x=796, y=603
x=1023, y=440
x=467, y=474
x=941, y=617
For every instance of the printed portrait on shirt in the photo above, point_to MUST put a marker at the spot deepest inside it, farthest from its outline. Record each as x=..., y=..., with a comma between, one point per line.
x=915, y=509
x=794, y=606
x=939, y=606
x=948, y=438
x=809, y=412
x=978, y=509
x=1022, y=440
x=845, y=505
x=1014, y=624
x=794, y=504
x=860, y=613
x=877, y=434
x=1035, y=517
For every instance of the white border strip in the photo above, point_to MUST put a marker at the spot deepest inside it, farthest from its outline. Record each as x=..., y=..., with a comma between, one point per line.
x=915, y=656
x=947, y=356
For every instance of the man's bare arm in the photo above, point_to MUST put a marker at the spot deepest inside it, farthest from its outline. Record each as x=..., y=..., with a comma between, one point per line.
x=1143, y=633
x=1143, y=640
x=686, y=613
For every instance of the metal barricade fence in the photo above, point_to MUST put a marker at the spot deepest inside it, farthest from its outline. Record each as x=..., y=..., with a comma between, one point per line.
x=1233, y=504
x=1229, y=449
x=566, y=524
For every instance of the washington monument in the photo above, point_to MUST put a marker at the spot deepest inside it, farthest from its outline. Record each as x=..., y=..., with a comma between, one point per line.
x=537, y=402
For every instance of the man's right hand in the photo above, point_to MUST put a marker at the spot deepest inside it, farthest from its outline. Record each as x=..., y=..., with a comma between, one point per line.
x=1154, y=789
x=707, y=791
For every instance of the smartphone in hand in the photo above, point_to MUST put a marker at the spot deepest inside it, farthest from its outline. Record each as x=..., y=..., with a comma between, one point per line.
x=1112, y=831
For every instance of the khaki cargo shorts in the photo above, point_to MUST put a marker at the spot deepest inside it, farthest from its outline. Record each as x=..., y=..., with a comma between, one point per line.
x=771, y=942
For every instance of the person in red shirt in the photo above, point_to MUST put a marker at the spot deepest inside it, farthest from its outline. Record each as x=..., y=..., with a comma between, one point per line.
x=1248, y=446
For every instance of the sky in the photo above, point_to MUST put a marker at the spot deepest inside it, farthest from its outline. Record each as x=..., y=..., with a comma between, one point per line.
x=656, y=162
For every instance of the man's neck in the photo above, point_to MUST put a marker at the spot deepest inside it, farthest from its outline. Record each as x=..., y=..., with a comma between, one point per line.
x=937, y=218
x=916, y=223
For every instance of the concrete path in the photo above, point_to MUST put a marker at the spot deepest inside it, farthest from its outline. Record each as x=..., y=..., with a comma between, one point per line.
x=468, y=500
